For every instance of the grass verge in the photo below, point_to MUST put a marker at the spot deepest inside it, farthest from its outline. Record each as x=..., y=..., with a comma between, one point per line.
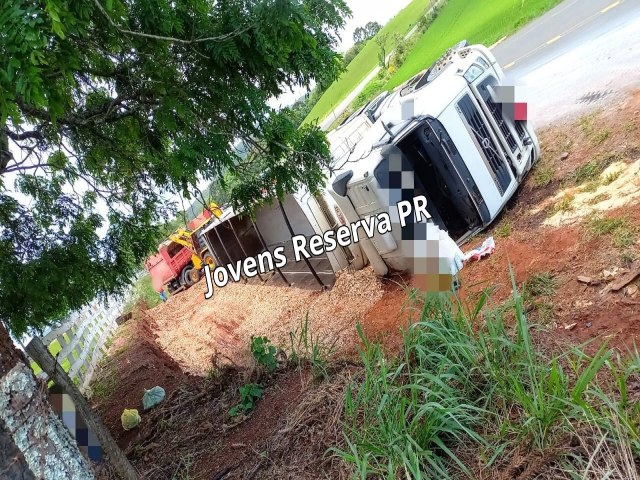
x=467, y=402
x=366, y=60
x=477, y=22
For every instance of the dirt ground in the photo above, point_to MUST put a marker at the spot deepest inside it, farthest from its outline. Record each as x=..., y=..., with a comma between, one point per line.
x=577, y=215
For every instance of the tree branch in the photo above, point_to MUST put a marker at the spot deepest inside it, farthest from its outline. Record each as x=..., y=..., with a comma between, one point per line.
x=219, y=38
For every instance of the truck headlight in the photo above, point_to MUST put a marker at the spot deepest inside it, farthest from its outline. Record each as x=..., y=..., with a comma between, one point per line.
x=473, y=72
x=482, y=62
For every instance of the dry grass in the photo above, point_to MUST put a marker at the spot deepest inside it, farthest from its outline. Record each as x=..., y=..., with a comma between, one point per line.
x=299, y=448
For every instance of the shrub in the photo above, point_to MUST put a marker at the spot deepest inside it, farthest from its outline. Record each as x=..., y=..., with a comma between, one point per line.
x=249, y=394
x=264, y=353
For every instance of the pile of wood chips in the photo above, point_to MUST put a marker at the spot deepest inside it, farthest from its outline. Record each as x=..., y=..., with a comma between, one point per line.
x=201, y=333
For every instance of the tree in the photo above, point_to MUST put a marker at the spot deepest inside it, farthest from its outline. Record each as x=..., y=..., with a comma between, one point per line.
x=367, y=32
x=34, y=442
x=381, y=41
x=371, y=29
x=109, y=106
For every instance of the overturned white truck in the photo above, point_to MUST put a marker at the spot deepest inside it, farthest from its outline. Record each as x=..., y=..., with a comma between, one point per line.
x=445, y=135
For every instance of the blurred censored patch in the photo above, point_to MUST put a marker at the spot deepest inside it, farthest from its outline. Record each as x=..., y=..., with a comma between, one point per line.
x=66, y=410
x=432, y=253
x=513, y=101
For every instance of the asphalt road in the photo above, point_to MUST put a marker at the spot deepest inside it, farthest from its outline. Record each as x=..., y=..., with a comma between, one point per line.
x=583, y=54
x=560, y=30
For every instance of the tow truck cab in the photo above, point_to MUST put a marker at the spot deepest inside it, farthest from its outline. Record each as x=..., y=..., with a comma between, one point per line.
x=444, y=135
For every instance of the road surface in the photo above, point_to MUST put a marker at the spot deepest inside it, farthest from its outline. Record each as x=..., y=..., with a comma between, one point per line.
x=581, y=54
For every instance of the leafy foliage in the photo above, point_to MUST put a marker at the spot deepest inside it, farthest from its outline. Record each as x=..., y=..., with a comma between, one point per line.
x=366, y=32
x=450, y=387
x=249, y=394
x=264, y=352
x=109, y=107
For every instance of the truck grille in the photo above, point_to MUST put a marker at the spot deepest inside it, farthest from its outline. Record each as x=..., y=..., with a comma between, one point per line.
x=496, y=112
x=522, y=133
x=482, y=135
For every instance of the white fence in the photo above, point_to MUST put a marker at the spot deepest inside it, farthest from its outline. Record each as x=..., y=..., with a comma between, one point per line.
x=82, y=338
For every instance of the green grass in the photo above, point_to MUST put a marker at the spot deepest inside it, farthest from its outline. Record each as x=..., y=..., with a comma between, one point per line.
x=622, y=232
x=503, y=230
x=366, y=60
x=477, y=22
x=564, y=205
x=467, y=383
x=142, y=290
x=540, y=284
x=543, y=174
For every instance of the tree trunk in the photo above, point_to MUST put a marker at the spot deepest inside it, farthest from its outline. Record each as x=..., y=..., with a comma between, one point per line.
x=34, y=443
x=37, y=350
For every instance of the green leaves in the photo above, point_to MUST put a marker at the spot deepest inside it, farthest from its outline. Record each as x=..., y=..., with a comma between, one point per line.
x=249, y=394
x=264, y=353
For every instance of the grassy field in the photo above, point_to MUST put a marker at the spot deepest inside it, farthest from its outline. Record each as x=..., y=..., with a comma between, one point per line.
x=366, y=60
x=477, y=22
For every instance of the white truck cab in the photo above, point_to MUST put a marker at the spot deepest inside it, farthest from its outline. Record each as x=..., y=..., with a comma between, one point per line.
x=444, y=135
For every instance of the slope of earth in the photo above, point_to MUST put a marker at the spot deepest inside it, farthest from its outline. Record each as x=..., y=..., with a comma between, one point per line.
x=134, y=362
x=192, y=433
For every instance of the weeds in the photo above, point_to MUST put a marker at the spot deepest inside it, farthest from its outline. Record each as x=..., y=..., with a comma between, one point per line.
x=543, y=175
x=249, y=395
x=503, y=230
x=599, y=137
x=588, y=172
x=183, y=472
x=563, y=206
x=459, y=382
x=540, y=284
x=611, y=177
x=309, y=349
x=630, y=126
x=627, y=258
x=264, y=353
x=592, y=170
x=622, y=232
x=601, y=197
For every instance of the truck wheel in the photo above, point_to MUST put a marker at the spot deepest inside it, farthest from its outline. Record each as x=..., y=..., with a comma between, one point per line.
x=208, y=259
x=173, y=286
x=189, y=276
x=193, y=276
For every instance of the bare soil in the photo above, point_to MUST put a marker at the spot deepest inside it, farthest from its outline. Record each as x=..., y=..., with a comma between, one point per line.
x=198, y=350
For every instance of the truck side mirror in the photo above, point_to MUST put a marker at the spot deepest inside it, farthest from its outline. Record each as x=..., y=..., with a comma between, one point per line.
x=340, y=183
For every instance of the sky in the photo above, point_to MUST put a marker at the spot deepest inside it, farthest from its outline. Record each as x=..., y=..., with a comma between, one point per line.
x=362, y=11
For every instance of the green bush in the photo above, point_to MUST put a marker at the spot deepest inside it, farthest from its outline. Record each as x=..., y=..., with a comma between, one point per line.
x=249, y=394
x=264, y=353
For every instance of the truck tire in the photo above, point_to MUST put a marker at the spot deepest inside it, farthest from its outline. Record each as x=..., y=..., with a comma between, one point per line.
x=207, y=259
x=189, y=276
x=173, y=286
